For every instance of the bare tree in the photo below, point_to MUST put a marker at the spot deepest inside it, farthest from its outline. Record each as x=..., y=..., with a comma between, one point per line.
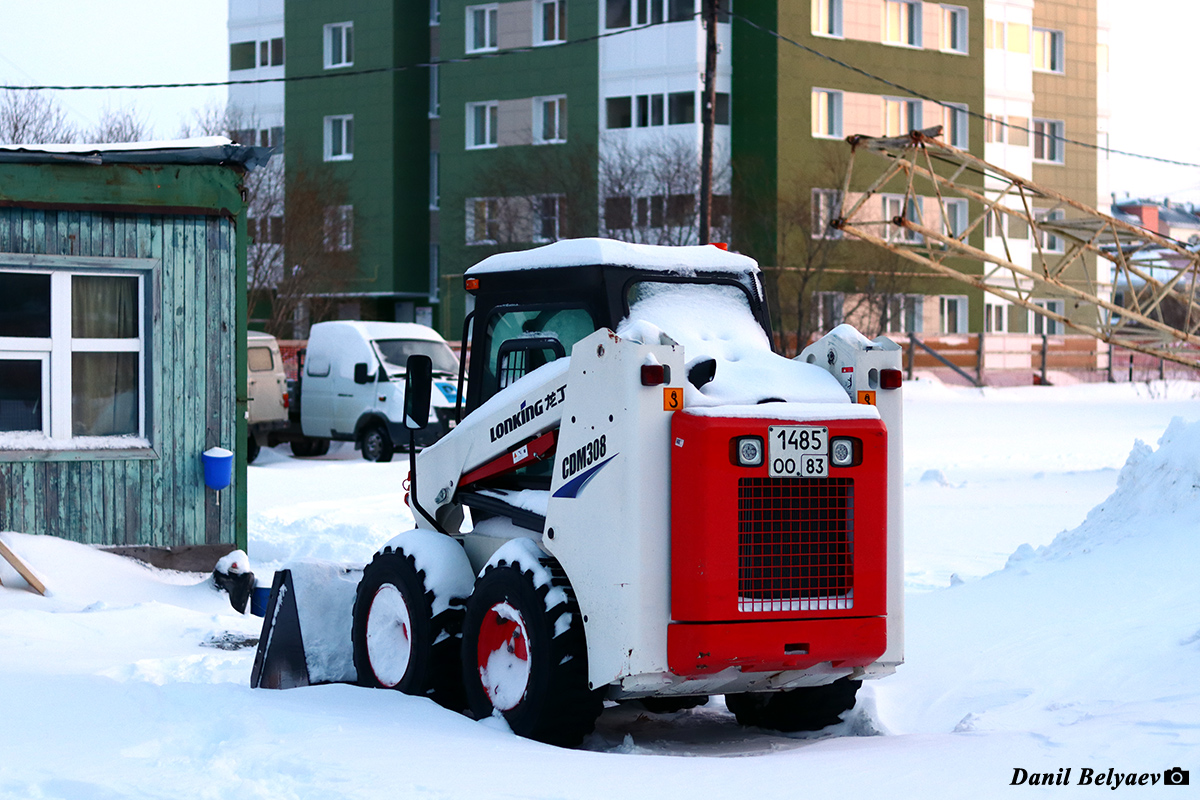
x=32, y=117
x=119, y=125
x=650, y=192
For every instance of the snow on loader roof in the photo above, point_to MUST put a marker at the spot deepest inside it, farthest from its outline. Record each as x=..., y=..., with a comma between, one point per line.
x=608, y=252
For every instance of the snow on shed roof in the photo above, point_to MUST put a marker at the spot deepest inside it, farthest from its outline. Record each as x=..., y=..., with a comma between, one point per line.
x=587, y=252
x=203, y=150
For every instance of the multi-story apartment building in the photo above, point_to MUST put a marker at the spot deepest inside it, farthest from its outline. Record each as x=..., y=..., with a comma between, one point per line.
x=463, y=127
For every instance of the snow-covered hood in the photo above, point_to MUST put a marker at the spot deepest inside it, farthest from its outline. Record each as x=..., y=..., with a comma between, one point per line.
x=712, y=321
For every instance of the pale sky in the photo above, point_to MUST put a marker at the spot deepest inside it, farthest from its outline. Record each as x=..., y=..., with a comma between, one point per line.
x=159, y=41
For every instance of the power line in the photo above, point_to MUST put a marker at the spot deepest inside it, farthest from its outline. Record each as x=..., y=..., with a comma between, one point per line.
x=943, y=104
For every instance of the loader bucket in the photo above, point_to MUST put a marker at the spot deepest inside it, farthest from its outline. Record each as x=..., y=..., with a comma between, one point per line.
x=279, y=662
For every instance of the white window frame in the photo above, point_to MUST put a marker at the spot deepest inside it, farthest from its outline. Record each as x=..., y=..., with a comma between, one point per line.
x=961, y=309
x=490, y=109
x=894, y=206
x=955, y=220
x=490, y=206
x=339, y=229
x=909, y=308
x=915, y=12
x=827, y=18
x=825, y=203
x=995, y=318
x=911, y=111
x=830, y=310
x=541, y=218
x=956, y=125
x=1051, y=133
x=558, y=12
x=344, y=33
x=55, y=352
x=556, y=106
x=345, y=124
x=489, y=14
x=1039, y=325
x=435, y=191
x=1055, y=53
x=953, y=30
x=826, y=113
x=1050, y=242
x=435, y=12
x=435, y=94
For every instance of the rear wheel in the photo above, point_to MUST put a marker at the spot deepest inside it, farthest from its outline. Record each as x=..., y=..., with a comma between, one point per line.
x=809, y=708
x=398, y=643
x=252, y=449
x=377, y=444
x=524, y=657
x=308, y=446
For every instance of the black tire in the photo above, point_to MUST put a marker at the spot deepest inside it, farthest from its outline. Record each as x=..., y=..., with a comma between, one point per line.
x=319, y=447
x=252, y=449
x=556, y=706
x=431, y=668
x=669, y=705
x=810, y=708
x=376, y=444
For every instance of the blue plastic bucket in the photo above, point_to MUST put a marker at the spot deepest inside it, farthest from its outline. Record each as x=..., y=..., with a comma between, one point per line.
x=258, y=600
x=218, y=468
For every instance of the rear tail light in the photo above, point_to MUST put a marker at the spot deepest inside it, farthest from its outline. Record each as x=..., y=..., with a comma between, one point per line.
x=655, y=374
x=891, y=378
x=287, y=399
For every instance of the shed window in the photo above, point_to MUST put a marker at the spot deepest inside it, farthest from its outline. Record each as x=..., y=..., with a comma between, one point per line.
x=72, y=357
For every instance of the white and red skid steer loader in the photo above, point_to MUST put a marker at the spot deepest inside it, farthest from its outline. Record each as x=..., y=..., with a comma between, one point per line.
x=663, y=508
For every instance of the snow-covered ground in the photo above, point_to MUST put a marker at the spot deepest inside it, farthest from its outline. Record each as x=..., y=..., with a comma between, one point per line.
x=1070, y=638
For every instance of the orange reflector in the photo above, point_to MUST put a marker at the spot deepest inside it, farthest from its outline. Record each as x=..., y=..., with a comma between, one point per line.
x=891, y=378
x=472, y=284
x=720, y=245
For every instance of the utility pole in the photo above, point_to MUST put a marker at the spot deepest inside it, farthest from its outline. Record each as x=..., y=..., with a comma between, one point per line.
x=709, y=112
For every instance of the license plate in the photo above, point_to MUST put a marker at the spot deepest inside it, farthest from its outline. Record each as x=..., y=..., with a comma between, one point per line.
x=797, y=451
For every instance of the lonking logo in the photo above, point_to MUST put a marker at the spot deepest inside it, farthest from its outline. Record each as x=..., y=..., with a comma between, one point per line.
x=1091, y=777
x=529, y=412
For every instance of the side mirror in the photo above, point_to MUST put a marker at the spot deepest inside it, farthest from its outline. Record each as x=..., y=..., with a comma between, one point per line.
x=418, y=384
x=360, y=373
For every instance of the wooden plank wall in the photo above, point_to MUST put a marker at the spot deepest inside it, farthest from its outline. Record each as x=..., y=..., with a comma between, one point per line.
x=191, y=402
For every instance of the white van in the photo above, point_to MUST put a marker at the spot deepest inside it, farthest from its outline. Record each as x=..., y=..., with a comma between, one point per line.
x=352, y=388
x=266, y=391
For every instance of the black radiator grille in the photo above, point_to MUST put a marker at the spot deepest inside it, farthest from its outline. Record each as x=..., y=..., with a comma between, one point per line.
x=795, y=544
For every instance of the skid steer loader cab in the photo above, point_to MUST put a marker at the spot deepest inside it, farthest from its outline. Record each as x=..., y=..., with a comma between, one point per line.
x=663, y=507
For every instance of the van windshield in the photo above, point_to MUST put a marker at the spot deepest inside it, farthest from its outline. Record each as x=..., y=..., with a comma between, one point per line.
x=394, y=354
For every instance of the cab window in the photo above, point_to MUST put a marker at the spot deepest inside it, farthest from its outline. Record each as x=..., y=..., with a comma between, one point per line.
x=521, y=340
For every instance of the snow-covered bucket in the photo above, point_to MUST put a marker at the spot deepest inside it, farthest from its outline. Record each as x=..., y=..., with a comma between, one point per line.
x=218, y=467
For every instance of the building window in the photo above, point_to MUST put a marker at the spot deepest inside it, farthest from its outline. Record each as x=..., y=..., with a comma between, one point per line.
x=481, y=124
x=339, y=138
x=618, y=213
x=483, y=220
x=435, y=95
x=435, y=12
x=895, y=206
x=955, y=222
x=1047, y=50
x=831, y=310
x=1050, y=243
x=681, y=108
x=241, y=56
x=549, y=217
x=826, y=113
x=549, y=120
x=994, y=129
x=954, y=126
x=339, y=228
x=994, y=318
x=270, y=53
x=1048, y=140
x=617, y=13
x=902, y=22
x=268, y=230
x=826, y=205
x=952, y=314
x=339, y=45
x=680, y=10
x=721, y=109
x=435, y=193
x=952, y=35
x=551, y=21
x=902, y=313
x=650, y=211
x=1040, y=325
x=993, y=34
x=481, y=28
x=827, y=17
x=681, y=210
x=900, y=116
x=649, y=110
x=618, y=112
x=72, y=354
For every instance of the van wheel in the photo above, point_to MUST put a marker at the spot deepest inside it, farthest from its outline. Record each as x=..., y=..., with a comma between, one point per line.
x=252, y=449
x=376, y=444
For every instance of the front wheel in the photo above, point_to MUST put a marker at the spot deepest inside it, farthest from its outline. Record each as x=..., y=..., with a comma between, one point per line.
x=524, y=656
x=252, y=449
x=809, y=708
x=377, y=444
x=398, y=642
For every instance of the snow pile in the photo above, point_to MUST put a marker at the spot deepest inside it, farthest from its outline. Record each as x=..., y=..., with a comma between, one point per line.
x=715, y=321
x=588, y=251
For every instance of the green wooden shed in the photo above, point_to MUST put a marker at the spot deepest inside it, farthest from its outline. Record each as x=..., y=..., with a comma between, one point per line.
x=123, y=344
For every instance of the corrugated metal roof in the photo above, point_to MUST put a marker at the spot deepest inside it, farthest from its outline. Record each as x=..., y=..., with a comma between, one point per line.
x=207, y=150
